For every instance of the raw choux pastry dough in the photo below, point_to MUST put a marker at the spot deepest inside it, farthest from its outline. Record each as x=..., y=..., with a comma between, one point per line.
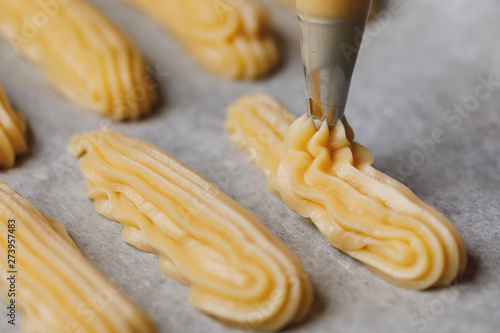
x=85, y=56
x=236, y=269
x=55, y=288
x=325, y=176
x=258, y=124
x=232, y=39
x=12, y=133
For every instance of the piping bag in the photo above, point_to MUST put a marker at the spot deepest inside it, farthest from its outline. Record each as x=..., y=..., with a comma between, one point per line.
x=331, y=33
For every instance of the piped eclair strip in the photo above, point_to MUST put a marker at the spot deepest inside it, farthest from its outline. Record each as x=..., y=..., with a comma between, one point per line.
x=325, y=176
x=55, y=288
x=83, y=54
x=236, y=269
x=12, y=133
x=233, y=39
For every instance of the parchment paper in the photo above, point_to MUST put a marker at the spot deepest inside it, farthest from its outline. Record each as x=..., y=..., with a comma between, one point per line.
x=421, y=59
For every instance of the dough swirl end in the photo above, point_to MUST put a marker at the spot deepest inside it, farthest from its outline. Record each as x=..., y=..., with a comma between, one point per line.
x=236, y=269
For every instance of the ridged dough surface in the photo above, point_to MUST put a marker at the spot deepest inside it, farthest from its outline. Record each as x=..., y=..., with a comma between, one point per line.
x=57, y=289
x=287, y=2
x=12, y=133
x=325, y=176
x=236, y=269
x=84, y=55
x=232, y=39
x=334, y=9
x=376, y=5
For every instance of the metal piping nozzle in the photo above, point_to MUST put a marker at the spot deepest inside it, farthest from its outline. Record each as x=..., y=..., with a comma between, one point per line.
x=331, y=32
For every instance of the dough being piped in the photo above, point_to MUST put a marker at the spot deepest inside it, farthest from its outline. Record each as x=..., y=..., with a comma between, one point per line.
x=236, y=269
x=12, y=133
x=55, y=288
x=233, y=39
x=83, y=54
x=325, y=176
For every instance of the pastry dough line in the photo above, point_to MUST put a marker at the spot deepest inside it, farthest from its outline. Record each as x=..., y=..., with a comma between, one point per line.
x=58, y=289
x=236, y=269
x=325, y=176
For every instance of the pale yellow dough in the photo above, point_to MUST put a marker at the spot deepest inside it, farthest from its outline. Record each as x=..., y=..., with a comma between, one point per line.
x=237, y=270
x=85, y=56
x=12, y=133
x=57, y=289
x=325, y=176
x=231, y=38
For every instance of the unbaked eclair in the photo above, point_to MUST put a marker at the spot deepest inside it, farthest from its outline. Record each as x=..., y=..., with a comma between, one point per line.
x=233, y=39
x=12, y=133
x=236, y=269
x=49, y=280
x=83, y=54
x=325, y=176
